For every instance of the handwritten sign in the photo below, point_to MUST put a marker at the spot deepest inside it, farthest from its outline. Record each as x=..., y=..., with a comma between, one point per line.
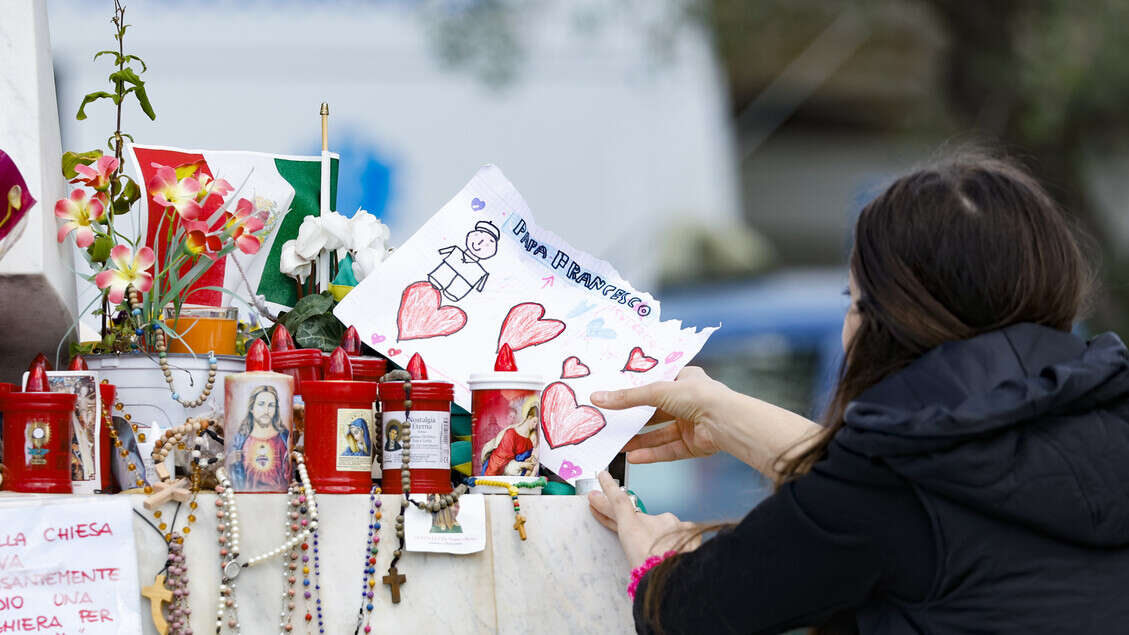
x=481, y=273
x=68, y=566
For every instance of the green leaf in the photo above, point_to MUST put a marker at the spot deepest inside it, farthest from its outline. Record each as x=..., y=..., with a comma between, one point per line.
x=305, y=309
x=71, y=159
x=117, y=56
x=134, y=58
x=323, y=331
x=143, y=101
x=99, y=250
x=94, y=96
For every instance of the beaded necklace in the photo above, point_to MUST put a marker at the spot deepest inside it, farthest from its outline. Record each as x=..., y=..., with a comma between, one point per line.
x=394, y=578
x=227, y=516
x=176, y=565
x=162, y=353
x=368, y=580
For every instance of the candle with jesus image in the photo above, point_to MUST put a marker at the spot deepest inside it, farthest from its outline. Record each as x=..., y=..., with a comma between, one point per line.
x=258, y=409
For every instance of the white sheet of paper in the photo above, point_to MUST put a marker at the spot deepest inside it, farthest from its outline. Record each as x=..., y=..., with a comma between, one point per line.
x=71, y=563
x=459, y=530
x=446, y=294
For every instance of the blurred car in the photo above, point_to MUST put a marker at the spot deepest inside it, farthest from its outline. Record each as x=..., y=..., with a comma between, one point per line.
x=780, y=342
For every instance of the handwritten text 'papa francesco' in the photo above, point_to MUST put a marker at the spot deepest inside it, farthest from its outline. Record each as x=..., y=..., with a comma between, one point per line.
x=554, y=259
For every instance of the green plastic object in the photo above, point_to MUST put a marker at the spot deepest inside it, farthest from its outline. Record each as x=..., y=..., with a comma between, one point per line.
x=638, y=502
x=345, y=276
x=558, y=489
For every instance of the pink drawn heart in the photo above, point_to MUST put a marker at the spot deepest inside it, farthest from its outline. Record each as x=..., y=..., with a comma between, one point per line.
x=565, y=423
x=573, y=368
x=637, y=362
x=569, y=471
x=392, y=352
x=673, y=357
x=376, y=339
x=421, y=317
x=524, y=327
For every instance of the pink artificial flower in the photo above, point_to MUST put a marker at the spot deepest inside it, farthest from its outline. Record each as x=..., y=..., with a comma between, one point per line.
x=212, y=193
x=197, y=240
x=98, y=175
x=78, y=211
x=130, y=269
x=243, y=224
x=180, y=195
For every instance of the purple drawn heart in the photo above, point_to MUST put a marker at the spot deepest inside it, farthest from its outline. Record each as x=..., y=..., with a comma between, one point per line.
x=477, y=204
x=376, y=339
x=569, y=471
x=673, y=357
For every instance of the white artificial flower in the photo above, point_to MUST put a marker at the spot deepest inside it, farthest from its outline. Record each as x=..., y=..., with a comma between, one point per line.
x=368, y=232
x=311, y=238
x=291, y=263
x=365, y=261
x=337, y=233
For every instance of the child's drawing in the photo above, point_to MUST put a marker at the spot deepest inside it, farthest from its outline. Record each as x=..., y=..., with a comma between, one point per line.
x=525, y=325
x=461, y=270
x=569, y=317
x=573, y=368
x=563, y=421
x=421, y=317
x=637, y=362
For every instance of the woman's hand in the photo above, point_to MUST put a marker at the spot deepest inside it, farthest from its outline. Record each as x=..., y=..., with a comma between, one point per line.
x=641, y=535
x=709, y=417
x=690, y=401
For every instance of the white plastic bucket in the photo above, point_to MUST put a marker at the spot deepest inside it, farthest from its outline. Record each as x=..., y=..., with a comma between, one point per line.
x=142, y=390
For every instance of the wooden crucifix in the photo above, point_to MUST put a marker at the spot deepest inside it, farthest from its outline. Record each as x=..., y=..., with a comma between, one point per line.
x=158, y=595
x=519, y=525
x=165, y=490
x=394, y=579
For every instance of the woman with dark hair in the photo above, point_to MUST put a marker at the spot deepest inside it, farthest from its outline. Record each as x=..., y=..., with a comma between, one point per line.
x=261, y=445
x=972, y=472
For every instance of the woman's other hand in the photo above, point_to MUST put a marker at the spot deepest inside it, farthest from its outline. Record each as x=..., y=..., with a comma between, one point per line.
x=690, y=402
x=641, y=535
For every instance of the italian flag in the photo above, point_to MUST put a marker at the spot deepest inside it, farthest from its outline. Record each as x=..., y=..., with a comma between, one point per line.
x=290, y=186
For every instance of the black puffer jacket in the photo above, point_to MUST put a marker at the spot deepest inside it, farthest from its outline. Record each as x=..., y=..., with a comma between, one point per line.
x=982, y=489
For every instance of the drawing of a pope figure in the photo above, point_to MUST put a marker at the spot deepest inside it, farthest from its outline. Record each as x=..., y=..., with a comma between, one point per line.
x=461, y=270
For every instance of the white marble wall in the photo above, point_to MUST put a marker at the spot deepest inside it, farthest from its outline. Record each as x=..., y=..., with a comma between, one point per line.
x=36, y=279
x=568, y=577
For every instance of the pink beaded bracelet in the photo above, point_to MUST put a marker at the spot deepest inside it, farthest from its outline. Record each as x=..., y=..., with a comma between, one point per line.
x=638, y=572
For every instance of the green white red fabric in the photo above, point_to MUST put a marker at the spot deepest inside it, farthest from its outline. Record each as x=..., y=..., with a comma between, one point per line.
x=288, y=186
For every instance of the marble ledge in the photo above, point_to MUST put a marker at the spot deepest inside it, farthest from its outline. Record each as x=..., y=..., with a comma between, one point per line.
x=568, y=577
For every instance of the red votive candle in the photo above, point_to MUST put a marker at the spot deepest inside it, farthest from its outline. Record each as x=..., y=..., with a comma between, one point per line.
x=105, y=443
x=339, y=429
x=303, y=364
x=430, y=432
x=37, y=437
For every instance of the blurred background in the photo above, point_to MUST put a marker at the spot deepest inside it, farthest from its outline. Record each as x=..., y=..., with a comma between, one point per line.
x=716, y=151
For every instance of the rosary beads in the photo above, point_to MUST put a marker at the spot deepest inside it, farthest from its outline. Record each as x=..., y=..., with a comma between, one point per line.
x=162, y=354
x=372, y=544
x=227, y=517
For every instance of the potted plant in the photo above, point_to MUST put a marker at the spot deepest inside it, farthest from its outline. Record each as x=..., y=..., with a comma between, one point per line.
x=143, y=292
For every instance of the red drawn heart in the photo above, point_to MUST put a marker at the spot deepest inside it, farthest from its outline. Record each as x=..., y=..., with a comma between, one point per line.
x=565, y=423
x=421, y=317
x=637, y=362
x=392, y=352
x=524, y=327
x=573, y=368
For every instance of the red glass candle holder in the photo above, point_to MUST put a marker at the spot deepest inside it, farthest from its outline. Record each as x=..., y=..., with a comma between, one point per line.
x=37, y=437
x=339, y=429
x=105, y=443
x=430, y=434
